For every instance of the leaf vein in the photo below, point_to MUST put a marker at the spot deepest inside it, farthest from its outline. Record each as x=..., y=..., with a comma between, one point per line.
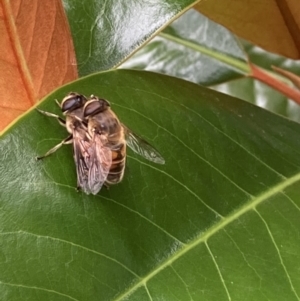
x=21, y=232
x=148, y=293
x=145, y=218
x=214, y=229
x=244, y=257
x=293, y=203
x=218, y=270
x=191, y=150
x=279, y=254
x=184, y=283
x=38, y=288
x=181, y=184
x=212, y=125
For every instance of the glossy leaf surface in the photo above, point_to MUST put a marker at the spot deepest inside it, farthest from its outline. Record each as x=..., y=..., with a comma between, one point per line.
x=197, y=49
x=218, y=221
x=107, y=32
x=259, y=93
x=193, y=48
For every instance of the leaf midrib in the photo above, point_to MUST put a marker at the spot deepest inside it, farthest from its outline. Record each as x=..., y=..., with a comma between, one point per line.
x=240, y=66
x=250, y=205
x=11, y=27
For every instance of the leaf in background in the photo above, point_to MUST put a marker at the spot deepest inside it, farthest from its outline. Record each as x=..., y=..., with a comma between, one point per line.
x=218, y=221
x=262, y=96
x=107, y=32
x=37, y=54
x=266, y=59
x=272, y=25
x=193, y=48
x=259, y=93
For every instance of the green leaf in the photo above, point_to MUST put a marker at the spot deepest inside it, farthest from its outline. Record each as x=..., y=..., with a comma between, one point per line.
x=260, y=94
x=107, y=32
x=218, y=221
x=193, y=48
x=199, y=50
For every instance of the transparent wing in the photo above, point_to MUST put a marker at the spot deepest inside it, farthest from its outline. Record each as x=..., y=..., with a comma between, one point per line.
x=142, y=147
x=99, y=164
x=82, y=158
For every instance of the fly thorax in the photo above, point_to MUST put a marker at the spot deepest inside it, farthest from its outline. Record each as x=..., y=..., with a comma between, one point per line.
x=72, y=123
x=104, y=124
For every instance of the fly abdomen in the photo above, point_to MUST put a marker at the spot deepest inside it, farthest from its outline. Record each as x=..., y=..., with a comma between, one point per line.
x=116, y=171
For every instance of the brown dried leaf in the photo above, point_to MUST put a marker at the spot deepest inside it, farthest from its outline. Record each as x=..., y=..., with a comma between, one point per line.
x=37, y=54
x=272, y=25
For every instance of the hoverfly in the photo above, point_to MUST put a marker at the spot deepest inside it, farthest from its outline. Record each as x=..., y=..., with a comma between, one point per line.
x=109, y=138
x=99, y=142
x=72, y=108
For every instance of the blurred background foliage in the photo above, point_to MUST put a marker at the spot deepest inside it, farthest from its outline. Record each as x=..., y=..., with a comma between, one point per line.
x=197, y=49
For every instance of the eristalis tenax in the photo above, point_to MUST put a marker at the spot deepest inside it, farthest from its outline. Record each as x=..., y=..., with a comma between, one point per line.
x=99, y=141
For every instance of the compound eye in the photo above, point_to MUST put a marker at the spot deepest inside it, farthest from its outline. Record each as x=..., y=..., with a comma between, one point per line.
x=72, y=102
x=95, y=106
x=91, y=108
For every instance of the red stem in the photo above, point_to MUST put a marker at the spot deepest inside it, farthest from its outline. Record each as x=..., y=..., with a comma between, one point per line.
x=266, y=78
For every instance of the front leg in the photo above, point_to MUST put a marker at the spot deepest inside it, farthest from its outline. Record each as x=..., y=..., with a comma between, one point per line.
x=59, y=119
x=67, y=140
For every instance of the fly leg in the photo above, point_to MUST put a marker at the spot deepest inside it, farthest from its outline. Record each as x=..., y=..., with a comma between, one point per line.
x=59, y=119
x=67, y=140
